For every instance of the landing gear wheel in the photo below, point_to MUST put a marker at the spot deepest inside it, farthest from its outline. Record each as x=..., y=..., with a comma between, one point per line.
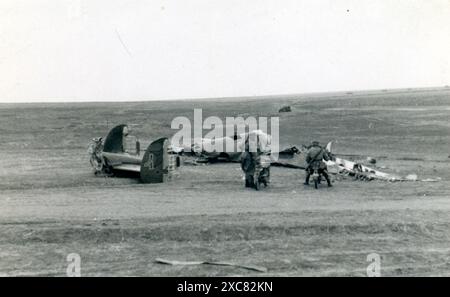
x=101, y=168
x=107, y=169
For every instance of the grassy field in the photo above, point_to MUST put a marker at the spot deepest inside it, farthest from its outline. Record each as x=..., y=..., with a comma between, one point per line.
x=51, y=204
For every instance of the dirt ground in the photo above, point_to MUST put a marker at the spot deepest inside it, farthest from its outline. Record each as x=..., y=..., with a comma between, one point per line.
x=51, y=204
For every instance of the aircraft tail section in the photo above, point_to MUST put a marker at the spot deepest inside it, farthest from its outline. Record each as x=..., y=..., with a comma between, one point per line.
x=155, y=166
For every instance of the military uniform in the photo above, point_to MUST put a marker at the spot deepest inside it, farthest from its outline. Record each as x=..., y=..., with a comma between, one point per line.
x=257, y=143
x=248, y=165
x=314, y=158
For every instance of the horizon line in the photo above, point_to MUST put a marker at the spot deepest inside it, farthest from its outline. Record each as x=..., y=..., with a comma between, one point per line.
x=262, y=97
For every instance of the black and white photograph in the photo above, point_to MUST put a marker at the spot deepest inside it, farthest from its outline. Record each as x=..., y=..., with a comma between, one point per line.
x=222, y=138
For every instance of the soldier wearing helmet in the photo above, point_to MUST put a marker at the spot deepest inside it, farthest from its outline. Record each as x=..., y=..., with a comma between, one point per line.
x=314, y=157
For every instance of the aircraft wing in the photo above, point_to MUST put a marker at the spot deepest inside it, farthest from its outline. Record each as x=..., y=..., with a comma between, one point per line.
x=343, y=165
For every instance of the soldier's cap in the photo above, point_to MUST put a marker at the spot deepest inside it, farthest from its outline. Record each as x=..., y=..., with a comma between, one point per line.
x=315, y=142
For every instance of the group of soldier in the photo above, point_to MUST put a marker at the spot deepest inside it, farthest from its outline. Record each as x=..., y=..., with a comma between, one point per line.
x=315, y=157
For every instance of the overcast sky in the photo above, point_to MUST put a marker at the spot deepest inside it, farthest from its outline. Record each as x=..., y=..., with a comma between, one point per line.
x=104, y=50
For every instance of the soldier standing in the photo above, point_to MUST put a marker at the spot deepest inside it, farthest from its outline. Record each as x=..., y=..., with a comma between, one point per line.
x=314, y=157
x=257, y=143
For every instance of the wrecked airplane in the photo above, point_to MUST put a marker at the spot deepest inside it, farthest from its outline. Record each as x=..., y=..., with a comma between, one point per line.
x=362, y=172
x=222, y=149
x=120, y=151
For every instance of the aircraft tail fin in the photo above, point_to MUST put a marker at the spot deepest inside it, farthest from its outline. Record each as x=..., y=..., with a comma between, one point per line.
x=155, y=163
x=328, y=147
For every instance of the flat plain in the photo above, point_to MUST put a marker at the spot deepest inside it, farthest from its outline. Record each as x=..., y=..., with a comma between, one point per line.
x=51, y=204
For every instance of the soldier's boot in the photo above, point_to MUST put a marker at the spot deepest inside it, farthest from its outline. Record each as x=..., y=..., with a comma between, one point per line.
x=249, y=181
x=325, y=174
x=307, y=179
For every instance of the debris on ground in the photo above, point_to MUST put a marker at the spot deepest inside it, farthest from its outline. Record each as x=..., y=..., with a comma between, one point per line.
x=174, y=262
x=432, y=179
x=191, y=162
x=411, y=177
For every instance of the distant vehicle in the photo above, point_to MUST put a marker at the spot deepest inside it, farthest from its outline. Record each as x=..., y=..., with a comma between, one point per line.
x=114, y=153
